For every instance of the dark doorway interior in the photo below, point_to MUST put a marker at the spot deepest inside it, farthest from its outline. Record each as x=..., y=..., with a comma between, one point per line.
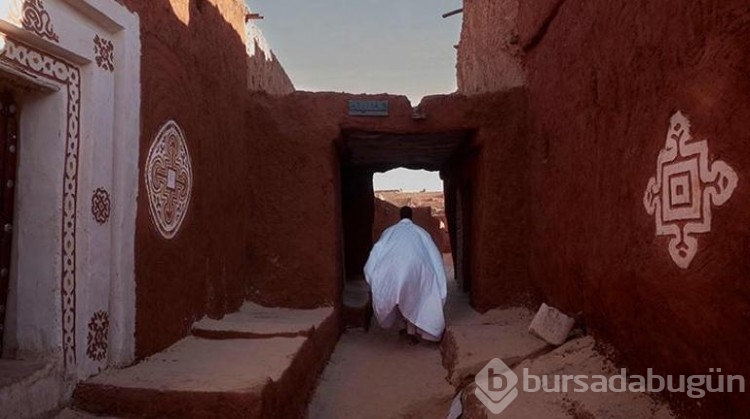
x=364, y=153
x=8, y=153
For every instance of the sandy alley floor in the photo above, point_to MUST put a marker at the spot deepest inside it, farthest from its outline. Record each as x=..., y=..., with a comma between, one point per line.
x=379, y=375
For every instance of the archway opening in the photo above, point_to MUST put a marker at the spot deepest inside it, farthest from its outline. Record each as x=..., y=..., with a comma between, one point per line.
x=421, y=190
x=430, y=176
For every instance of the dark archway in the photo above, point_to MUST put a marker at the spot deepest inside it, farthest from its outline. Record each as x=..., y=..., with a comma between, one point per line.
x=8, y=152
x=363, y=153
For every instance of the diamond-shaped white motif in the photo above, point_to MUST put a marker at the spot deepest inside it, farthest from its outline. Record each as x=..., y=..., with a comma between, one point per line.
x=169, y=179
x=684, y=190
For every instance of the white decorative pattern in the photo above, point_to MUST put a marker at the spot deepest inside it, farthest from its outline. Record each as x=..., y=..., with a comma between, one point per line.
x=37, y=63
x=684, y=190
x=169, y=179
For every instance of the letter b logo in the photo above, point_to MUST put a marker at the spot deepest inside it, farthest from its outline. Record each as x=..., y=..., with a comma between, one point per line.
x=496, y=386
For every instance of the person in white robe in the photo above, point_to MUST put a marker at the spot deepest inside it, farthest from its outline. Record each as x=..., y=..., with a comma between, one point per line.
x=407, y=279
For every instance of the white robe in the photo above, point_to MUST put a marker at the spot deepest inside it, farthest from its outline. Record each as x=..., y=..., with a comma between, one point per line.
x=406, y=273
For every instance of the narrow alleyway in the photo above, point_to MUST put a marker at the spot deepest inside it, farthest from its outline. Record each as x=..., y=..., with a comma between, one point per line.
x=187, y=221
x=380, y=375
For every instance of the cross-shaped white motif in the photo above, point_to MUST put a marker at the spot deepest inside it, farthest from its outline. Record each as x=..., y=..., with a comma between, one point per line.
x=686, y=186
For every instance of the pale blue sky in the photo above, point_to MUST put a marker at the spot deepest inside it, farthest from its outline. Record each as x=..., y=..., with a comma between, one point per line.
x=407, y=180
x=364, y=46
x=367, y=46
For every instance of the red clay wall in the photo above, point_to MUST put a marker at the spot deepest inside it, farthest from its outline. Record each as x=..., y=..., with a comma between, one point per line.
x=295, y=257
x=295, y=229
x=500, y=199
x=185, y=77
x=604, y=79
x=489, y=47
x=266, y=74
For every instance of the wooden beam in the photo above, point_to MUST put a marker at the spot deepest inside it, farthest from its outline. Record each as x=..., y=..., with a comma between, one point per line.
x=455, y=12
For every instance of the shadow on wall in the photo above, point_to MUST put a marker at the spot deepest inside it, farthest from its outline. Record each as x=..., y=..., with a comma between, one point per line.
x=194, y=71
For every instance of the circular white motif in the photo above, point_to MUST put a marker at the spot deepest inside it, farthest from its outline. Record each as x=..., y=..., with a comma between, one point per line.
x=169, y=179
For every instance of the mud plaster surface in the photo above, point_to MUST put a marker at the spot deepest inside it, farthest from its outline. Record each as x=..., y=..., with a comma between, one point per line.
x=257, y=321
x=195, y=364
x=470, y=343
x=77, y=414
x=599, y=116
x=379, y=375
x=186, y=78
x=576, y=357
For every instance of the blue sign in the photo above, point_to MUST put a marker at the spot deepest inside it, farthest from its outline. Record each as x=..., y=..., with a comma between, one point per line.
x=368, y=108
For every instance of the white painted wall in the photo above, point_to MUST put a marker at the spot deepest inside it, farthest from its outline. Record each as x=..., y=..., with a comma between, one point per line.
x=33, y=320
x=108, y=149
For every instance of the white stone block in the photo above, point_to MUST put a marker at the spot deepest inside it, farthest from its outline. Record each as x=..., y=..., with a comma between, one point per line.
x=551, y=325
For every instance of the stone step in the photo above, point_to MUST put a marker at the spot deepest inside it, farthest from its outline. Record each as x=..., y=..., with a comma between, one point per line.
x=472, y=340
x=31, y=388
x=357, y=308
x=226, y=377
x=575, y=358
x=468, y=345
x=69, y=413
x=257, y=322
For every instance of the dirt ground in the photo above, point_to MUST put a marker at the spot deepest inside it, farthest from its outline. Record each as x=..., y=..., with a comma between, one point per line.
x=380, y=375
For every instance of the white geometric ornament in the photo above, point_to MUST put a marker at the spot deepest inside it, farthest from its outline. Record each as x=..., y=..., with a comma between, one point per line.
x=684, y=190
x=169, y=179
